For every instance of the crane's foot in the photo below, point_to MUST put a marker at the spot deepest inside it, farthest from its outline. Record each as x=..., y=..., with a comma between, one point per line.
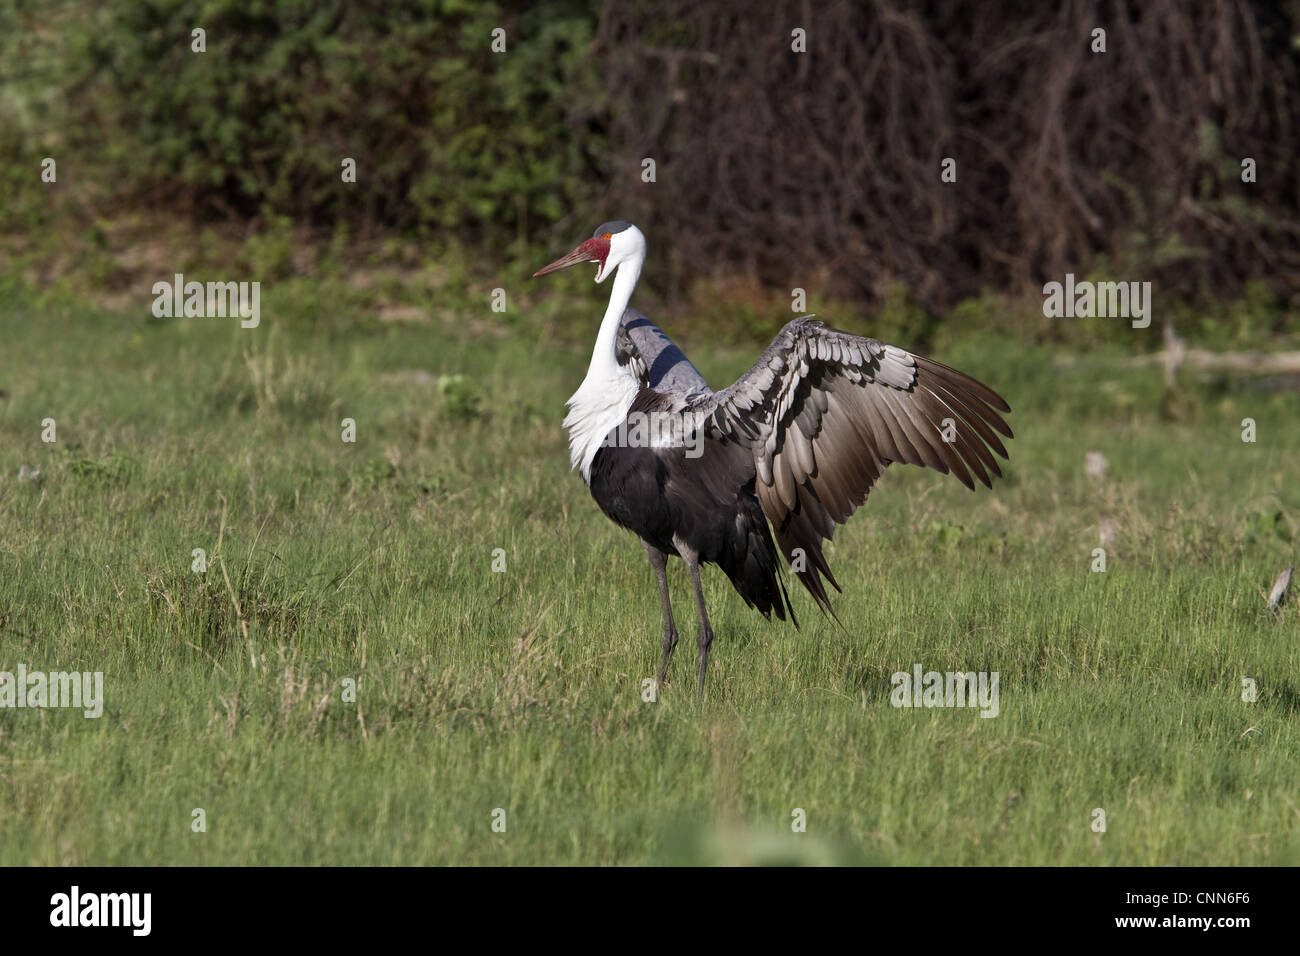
x=704, y=640
x=670, y=642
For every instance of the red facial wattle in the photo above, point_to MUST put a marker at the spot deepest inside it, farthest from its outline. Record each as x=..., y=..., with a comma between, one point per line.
x=595, y=249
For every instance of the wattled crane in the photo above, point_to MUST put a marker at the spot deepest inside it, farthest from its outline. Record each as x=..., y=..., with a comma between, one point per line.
x=797, y=442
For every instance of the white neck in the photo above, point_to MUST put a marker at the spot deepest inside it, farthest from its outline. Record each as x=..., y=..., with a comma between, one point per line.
x=604, y=360
x=602, y=401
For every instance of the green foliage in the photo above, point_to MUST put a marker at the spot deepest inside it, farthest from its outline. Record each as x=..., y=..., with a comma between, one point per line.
x=269, y=254
x=901, y=318
x=115, y=469
x=1264, y=525
x=375, y=473
x=446, y=134
x=460, y=395
x=946, y=535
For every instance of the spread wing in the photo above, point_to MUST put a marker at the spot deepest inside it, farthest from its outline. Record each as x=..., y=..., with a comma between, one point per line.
x=824, y=412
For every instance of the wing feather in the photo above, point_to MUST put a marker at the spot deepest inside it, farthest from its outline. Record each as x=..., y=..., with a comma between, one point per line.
x=823, y=413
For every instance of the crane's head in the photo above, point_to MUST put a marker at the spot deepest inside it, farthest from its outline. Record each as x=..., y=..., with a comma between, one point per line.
x=612, y=244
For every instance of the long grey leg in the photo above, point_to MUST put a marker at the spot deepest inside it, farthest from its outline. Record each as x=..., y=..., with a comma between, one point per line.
x=659, y=561
x=705, y=637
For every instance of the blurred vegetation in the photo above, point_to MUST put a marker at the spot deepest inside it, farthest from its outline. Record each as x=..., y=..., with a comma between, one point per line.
x=446, y=134
x=773, y=169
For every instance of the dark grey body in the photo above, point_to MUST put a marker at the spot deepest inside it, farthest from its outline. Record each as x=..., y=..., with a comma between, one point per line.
x=701, y=511
x=702, y=508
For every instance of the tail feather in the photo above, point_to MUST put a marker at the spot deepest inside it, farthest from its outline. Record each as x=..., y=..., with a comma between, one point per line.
x=806, y=550
x=755, y=570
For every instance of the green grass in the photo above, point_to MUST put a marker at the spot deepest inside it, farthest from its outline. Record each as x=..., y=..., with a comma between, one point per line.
x=522, y=690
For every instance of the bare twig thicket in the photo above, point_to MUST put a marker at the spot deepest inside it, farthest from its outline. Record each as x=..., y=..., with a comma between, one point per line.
x=777, y=163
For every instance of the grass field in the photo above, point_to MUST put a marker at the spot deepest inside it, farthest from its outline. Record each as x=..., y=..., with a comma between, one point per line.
x=521, y=689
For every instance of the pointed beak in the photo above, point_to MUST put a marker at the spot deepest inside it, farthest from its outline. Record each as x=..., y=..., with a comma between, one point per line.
x=593, y=250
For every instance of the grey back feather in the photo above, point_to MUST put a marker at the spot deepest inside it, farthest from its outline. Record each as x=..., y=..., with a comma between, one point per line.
x=656, y=359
